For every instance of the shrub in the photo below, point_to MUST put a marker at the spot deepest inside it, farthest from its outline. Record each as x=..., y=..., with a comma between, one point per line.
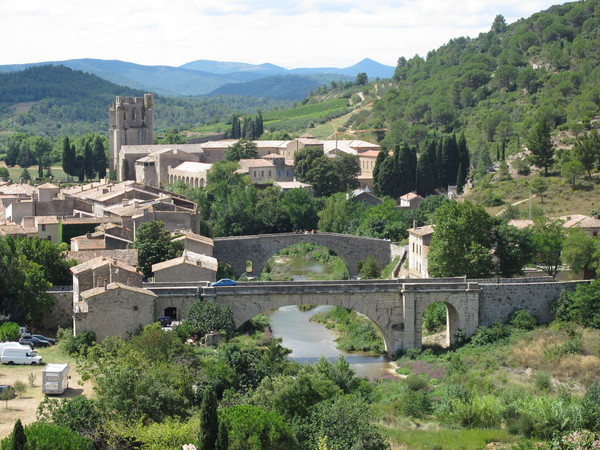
x=543, y=382
x=42, y=435
x=9, y=331
x=75, y=345
x=591, y=407
x=490, y=335
x=415, y=403
x=434, y=317
x=523, y=320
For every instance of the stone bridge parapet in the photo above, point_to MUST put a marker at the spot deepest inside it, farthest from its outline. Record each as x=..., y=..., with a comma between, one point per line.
x=258, y=249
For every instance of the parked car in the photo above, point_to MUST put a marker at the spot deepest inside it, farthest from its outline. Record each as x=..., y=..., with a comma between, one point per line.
x=44, y=338
x=165, y=321
x=27, y=340
x=224, y=282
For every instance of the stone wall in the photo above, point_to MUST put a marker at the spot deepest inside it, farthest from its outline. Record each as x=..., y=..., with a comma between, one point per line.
x=498, y=301
x=258, y=249
x=61, y=314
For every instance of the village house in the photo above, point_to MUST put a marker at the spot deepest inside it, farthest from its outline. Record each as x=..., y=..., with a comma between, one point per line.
x=419, y=240
x=189, y=266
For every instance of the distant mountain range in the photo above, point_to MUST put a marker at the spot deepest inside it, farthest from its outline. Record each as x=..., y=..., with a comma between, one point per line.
x=204, y=77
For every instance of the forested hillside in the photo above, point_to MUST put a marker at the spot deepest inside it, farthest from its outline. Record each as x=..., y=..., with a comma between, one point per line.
x=56, y=101
x=496, y=86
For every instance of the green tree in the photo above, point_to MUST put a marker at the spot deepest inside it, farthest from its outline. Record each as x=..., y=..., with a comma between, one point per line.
x=41, y=147
x=587, y=151
x=25, y=175
x=338, y=214
x=19, y=440
x=88, y=160
x=99, y=156
x=361, y=79
x=541, y=146
x=427, y=170
x=514, y=249
x=172, y=136
x=205, y=316
x=301, y=209
x=68, y=157
x=548, y=236
x=9, y=331
x=539, y=186
x=242, y=149
x=461, y=242
x=4, y=174
x=572, y=170
x=343, y=422
x=371, y=268
x=154, y=244
x=254, y=428
x=581, y=251
x=209, y=420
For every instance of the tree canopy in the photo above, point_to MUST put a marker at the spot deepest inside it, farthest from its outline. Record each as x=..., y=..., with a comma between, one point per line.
x=155, y=244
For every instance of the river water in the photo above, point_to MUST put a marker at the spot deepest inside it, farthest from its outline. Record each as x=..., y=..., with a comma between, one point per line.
x=311, y=340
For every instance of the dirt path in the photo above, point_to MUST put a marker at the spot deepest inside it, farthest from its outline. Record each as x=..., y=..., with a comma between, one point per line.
x=25, y=406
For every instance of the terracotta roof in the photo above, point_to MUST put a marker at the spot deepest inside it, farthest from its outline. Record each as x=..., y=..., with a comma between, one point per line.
x=129, y=256
x=191, y=258
x=521, y=223
x=422, y=231
x=114, y=286
x=46, y=220
x=273, y=156
x=99, y=262
x=410, y=196
x=370, y=153
x=291, y=184
x=48, y=186
x=190, y=166
x=194, y=237
x=248, y=163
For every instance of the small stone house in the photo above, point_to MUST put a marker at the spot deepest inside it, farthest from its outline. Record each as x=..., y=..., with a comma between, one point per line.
x=196, y=243
x=113, y=310
x=419, y=239
x=100, y=272
x=188, y=267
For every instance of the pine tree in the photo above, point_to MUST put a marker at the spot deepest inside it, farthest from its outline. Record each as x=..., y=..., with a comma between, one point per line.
x=19, y=440
x=209, y=420
x=541, y=146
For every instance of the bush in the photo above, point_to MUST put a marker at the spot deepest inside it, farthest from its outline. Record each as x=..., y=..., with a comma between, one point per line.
x=254, y=428
x=41, y=435
x=523, y=320
x=543, y=382
x=490, y=335
x=206, y=316
x=415, y=403
x=9, y=331
x=434, y=317
x=76, y=345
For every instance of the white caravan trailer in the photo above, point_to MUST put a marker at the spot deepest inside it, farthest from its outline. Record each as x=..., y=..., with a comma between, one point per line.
x=55, y=379
x=19, y=355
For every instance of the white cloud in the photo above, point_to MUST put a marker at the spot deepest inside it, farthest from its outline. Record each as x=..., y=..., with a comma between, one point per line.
x=290, y=33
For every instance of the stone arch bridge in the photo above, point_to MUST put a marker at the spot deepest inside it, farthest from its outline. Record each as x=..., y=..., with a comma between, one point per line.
x=395, y=306
x=260, y=248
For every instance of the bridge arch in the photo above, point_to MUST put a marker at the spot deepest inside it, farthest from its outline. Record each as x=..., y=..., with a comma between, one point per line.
x=260, y=248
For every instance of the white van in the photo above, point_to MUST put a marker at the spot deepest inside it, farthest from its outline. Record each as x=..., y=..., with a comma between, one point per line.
x=19, y=355
x=55, y=379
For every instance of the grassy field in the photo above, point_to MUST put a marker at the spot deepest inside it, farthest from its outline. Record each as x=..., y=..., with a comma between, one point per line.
x=560, y=199
x=58, y=173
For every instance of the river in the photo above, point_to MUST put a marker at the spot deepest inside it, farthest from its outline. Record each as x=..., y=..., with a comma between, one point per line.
x=311, y=340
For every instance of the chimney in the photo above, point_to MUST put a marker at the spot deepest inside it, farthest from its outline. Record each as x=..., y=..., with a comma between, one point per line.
x=414, y=224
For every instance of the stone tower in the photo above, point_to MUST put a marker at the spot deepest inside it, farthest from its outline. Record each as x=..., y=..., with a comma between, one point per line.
x=131, y=122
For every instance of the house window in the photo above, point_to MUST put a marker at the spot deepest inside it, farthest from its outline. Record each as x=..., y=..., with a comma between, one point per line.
x=262, y=173
x=135, y=308
x=43, y=227
x=269, y=173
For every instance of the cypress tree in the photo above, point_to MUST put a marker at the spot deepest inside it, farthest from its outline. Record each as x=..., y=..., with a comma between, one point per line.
x=425, y=170
x=19, y=440
x=439, y=173
x=88, y=161
x=407, y=164
x=464, y=160
x=450, y=160
x=460, y=182
x=209, y=420
x=99, y=157
x=68, y=157
x=222, y=438
x=377, y=176
x=260, y=129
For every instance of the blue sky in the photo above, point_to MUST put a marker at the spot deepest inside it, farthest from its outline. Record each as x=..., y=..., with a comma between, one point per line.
x=289, y=33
